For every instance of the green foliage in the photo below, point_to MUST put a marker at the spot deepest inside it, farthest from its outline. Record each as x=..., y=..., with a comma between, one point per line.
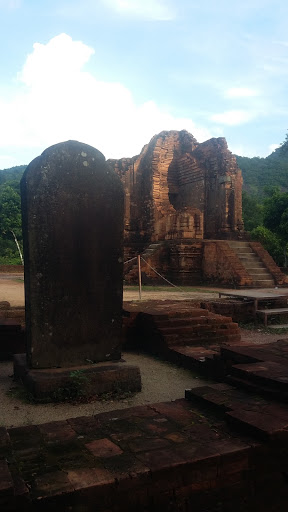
x=283, y=150
x=75, y=390
x=265, y=200
x=10, y=210
x=272, y=232
x=12, y=175
x=252, y=212
x=275, y=212
x=271, y=242
x=10, y=215
x=259, y=173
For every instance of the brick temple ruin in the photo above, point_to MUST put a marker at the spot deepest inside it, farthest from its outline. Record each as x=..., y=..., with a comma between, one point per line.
x=183, y=213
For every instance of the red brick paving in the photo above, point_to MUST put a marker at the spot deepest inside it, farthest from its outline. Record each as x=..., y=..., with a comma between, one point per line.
x=171, y=455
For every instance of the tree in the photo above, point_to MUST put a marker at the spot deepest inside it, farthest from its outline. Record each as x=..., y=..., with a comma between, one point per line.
x=10, y=215
x=272, y=243
x=284, y=146
x=274, y=232
x=252, y=212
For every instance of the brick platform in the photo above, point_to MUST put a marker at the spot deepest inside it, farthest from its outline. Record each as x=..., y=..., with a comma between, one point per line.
x=179, y=331
x=183, y=456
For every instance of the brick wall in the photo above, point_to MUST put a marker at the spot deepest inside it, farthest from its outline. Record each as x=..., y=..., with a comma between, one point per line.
x=221, y=265
x=11, y=269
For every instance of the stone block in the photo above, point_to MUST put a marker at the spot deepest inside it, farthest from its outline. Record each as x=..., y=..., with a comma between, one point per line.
x=72, y=209
x=103, y=448
x=60, y=384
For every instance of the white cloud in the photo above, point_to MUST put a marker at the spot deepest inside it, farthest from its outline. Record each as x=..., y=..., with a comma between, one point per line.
x=233, y=117
x=241, y=92
x=281, y=43
x=241, y=150
x=57, y=100
x=272, y=147
x=10, y=4
x=147, y=9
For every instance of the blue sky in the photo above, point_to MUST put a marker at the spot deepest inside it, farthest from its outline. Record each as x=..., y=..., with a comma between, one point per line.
x=112, y=73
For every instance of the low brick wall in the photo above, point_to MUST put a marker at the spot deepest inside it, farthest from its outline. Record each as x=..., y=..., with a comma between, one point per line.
x=239, y=310
x=11, y=269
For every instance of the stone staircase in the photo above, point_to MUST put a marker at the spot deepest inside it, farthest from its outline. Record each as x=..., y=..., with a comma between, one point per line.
x=184, y=335
x=191, y=327
x=255, y=267
x=261, y=369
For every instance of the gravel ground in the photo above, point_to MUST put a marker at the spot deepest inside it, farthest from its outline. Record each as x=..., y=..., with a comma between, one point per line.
x=161, y=382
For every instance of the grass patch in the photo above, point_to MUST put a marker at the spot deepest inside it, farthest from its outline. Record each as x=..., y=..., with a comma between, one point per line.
x=21, y=394
x=262, y=328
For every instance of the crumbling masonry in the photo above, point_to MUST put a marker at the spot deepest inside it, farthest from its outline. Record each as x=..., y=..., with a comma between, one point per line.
x=183, y=204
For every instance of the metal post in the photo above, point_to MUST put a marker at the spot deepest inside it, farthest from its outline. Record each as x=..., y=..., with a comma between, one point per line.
x=139, y=276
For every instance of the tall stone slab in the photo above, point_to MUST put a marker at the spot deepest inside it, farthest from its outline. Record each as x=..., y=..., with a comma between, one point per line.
x=72, y=207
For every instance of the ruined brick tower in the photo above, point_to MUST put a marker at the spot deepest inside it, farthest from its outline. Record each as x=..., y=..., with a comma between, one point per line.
x=179, y=189
x=183, y=213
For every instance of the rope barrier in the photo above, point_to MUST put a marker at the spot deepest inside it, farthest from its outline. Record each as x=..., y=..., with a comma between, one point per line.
x=183, y=291
x=128, y=261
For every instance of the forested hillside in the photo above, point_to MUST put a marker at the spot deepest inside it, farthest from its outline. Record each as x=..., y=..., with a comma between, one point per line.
x=265, y=200
x=259, y=173
x=14, y=174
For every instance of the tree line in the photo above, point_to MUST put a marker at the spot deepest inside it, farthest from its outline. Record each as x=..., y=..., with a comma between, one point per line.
x=10, y=216
x=265, y=205
x=265, y=201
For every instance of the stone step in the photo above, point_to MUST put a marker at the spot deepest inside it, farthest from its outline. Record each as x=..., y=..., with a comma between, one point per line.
x=197, y=312
x=248, y=257
x=271, y=312
x=192, y=321
x=197, y=332
x=243, y=250
x=262, y=276
x=256, y=270
x=265, y=283
x=257, y=388
x=181, y=322
x=199, y=328
x=235, y=244
x=195, y=340
x=266, y=373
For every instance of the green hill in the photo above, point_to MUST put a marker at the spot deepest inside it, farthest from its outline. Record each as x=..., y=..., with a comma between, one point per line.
x=271, y=171
x=12, y=176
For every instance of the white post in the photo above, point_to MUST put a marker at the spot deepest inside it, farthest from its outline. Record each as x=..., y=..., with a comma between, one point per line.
x=18, y=247
x=139, y=276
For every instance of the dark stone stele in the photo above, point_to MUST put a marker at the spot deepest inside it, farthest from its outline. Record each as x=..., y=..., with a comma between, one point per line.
x=72, y=213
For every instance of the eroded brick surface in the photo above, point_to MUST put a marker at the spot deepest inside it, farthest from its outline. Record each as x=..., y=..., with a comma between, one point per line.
x=184, y=453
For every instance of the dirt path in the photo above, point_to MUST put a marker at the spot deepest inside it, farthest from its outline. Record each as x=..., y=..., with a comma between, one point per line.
x=12, y=290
